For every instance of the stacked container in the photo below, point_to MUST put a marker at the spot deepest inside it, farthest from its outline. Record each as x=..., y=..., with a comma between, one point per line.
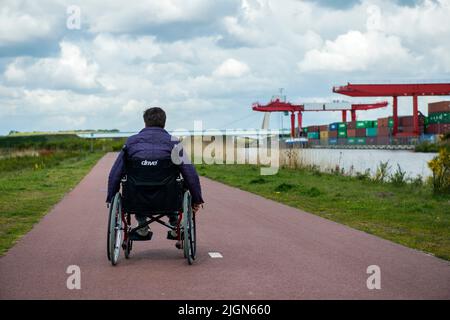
x=372, y=133
x=384, y=130
x=342, y=130
x=313, y=134
x=438, y=118
x=333, y=133
x=323, y=134
x=406, y=124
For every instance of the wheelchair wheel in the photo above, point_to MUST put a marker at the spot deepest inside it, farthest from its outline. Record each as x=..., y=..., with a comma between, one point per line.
x=115, y=229
x=189, y=241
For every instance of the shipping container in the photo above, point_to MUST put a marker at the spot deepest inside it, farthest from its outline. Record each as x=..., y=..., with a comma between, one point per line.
x=351, y=125
x=351, y=133
x=324, y=135
x=360, y=141
x=384, y=131
x=333, y=134
x=342, y=133
x=313, y=135
x=383, y=140
x=342, y=141
x=405, y=135
x=439, y=117
x=408, y=121
x=360, y=132
x=371, y=132
x=410, y=129
x=305, y=130
x=351, y=141
x=371, y=141
x=323, y=128
x=342, y=125
x=442, y=106
x=332, y=141
x=438, y=128
x=364, y=124
x=386, y=122
x=313, y=129
x=333, y=126
x=405, y=139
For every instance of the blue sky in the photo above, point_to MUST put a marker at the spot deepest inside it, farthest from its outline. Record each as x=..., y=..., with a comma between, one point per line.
x=207, y=60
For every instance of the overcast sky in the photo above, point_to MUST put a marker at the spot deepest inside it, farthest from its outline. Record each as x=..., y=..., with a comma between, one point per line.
x=206, y=60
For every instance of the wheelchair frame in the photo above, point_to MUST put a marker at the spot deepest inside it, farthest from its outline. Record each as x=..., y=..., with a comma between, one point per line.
x=119, y=227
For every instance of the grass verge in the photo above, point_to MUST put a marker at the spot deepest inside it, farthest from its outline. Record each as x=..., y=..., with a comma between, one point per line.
x=408, y=214
x=27, y=195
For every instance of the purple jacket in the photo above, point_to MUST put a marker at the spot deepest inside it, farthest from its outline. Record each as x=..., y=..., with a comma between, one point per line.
x=153, y=143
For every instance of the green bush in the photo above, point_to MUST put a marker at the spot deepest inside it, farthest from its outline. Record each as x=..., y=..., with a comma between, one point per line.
x=313, y=192
x=398, y=177
x=382, y=171
x=363, y=175
x=258, y=181
x=440, y=166
x=284, y=187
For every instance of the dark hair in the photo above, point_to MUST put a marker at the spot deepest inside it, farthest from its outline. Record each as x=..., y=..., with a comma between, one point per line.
x=155, y=117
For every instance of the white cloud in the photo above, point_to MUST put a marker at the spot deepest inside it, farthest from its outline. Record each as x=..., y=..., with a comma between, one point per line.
x=124, y=49
x=19, y=27
x=70, y=70
x=119, y=17
x=357, y=51
x=133, y=107
x=231, y=68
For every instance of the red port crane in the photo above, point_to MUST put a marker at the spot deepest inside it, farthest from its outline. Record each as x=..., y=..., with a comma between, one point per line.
x=276, y=105
x=395, y=91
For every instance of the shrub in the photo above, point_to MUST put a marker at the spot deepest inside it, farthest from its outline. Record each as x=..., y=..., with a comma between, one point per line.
x=399, y=176
x=313, y=192
x=363, y=175
x=382, y=171
x=258, y=181
x=417, y=181
x=283, y=187
x=440, y=166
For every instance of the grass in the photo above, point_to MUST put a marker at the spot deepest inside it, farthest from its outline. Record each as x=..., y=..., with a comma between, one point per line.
x=30, y=186
x=35, y=173
x=59, y=142
x=407, y=214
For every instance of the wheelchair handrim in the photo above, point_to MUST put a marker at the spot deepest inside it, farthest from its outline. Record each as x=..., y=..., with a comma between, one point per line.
x=115, y=235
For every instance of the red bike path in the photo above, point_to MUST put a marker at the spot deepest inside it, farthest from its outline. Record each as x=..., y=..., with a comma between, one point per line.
x=270, y=251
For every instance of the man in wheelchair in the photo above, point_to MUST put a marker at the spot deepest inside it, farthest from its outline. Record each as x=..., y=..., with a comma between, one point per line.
x=152, y=146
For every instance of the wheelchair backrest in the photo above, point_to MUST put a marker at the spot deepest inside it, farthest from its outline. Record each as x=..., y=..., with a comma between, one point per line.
x=152, y=186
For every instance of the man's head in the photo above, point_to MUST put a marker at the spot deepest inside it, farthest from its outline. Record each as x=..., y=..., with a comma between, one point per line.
x=155, y=117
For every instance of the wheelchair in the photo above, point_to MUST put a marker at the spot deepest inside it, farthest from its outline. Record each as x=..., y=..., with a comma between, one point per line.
x=154, y=189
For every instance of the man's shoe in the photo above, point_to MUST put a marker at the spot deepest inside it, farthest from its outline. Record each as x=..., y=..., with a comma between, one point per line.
x=144, y=231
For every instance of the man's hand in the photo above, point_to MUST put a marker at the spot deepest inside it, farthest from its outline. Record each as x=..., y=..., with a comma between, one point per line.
x=196, y=207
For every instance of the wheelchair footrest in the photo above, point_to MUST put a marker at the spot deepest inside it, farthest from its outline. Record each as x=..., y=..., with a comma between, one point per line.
x=170, y=235
x=136, y=237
